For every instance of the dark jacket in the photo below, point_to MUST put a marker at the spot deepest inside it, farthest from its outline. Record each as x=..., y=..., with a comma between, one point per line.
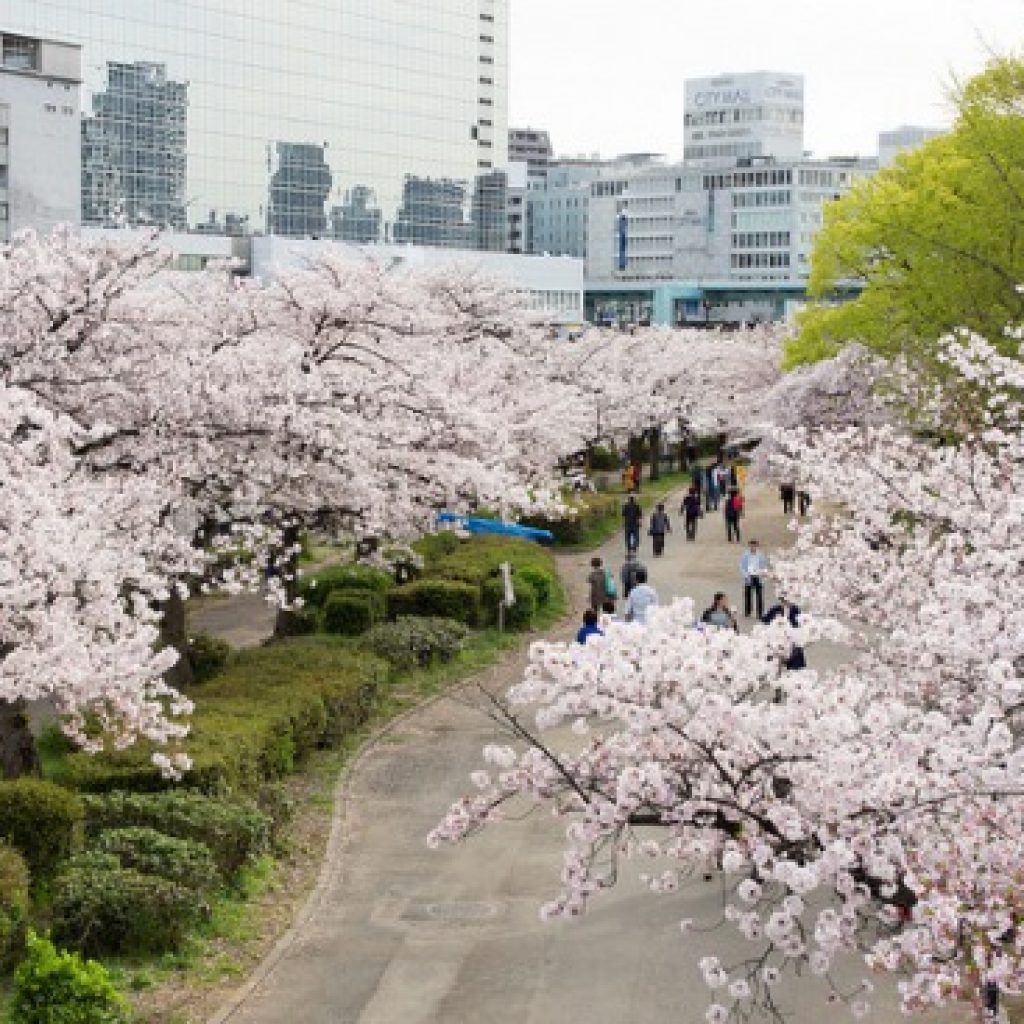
x=632, y=514
x=660, y=523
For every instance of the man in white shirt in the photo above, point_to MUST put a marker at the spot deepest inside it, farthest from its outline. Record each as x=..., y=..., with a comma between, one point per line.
x=642, y=598
x=753, y=565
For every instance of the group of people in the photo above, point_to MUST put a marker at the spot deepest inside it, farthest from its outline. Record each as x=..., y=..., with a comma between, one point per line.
x=711, y=486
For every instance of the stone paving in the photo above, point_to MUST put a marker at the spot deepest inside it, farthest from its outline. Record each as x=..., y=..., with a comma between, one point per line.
x=398, y=934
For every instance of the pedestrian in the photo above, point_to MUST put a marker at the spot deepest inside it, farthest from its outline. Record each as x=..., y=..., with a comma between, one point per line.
x=632, y=520
x=642, y=598
x=720, y=614
x=787, y=492
x=597, y=582
x=741, y=475
x=721, y=481
x=753, y=566
x=697, y=478
x=660, y=525
x=805, y=502
x=630, y=569
x=691, y=510
x=589, y=628
x=791, y=613
x=710, y=487
x=637, y=477
x=733, y=512
x=627, y=478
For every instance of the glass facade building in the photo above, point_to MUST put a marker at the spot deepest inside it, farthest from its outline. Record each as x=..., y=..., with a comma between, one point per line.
x=363, y=120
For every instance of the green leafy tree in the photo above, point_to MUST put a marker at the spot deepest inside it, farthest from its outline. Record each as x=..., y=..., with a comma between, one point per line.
x=937, y=239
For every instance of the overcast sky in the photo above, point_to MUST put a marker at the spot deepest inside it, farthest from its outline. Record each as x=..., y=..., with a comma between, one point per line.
x=607, y=75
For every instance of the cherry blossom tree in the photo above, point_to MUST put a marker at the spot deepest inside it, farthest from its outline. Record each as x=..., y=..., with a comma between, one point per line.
x=872, y=810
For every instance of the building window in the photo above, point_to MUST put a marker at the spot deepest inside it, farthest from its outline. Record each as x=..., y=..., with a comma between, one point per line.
x=4, y=138
x=486, y=81
x=21, y=54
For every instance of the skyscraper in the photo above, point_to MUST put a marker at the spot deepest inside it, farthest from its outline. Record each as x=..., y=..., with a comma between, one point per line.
x=207, y=112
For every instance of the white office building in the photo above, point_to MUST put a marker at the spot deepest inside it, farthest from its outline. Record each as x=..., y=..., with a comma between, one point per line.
x=755, y=114
x=682, y=244
x=40, y=133
x=902, y=140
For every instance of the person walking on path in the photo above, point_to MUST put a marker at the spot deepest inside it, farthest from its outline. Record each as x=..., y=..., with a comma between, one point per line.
x=805, y=502
x=691, y=510
x=589, y=628
x=711, y=488
x=632, y=519
x=753, y=566
x=642, y=598
x=660, y=525
x=597, y=581
x=787, y=492
x=637, y=474
x=631, y=569
x=733, y=512
x=720, y=614
x=791, y=613
x=697, y=478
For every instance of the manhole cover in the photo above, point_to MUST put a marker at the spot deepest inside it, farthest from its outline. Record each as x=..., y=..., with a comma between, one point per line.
x=456, y=912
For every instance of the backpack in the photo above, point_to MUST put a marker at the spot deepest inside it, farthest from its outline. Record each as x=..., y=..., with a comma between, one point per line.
x=610, y=589
x=736, y=504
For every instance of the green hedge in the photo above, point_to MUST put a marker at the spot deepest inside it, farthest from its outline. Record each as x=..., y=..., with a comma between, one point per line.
x=43, y=822
x=351, y=613
x=184, y=861
x=318, y=587
x=519, y=615
x=590, y=510
x=436, y=545
x=542, y=583
x=445, y=599
x=414, y=642
x=13, y=905
x=52, y=987
x=264, y=713
x=479, y=558
x=207, y=656
x=100, y=907
x=234, y=832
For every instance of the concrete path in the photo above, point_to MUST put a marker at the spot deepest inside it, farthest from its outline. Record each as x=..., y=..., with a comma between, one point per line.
x=397, y=934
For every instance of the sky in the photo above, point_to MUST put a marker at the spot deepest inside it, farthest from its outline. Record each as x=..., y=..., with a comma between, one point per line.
x=606, y=76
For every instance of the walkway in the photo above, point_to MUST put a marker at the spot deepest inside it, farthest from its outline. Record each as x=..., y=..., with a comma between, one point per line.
x=397, y=934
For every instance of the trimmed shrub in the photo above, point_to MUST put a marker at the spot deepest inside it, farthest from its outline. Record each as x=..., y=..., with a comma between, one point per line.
x=101, y=907
x=185, y=861
x=542, y=583
x=13, y=905
x=436, y=545
x=437, y=598
x=414, y=642
x=479, y=558
x=318, y=587
x=266, y=711
x=349, y=613
x=234, y=833
x=207, y=656
x=520, y=615
x=43, y=822
x=52, y=987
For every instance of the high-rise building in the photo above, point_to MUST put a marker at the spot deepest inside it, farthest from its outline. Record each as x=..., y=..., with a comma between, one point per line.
x=729, y=117
x=533, y=148
x=343, y=117
x=40, y=87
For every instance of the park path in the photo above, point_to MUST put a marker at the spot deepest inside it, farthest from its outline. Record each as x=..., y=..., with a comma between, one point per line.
x=398, y=934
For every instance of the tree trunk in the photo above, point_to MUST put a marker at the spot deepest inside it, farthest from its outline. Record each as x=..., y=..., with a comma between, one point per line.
x=284, y=625
x=18, y=754
x=173, y=633
x=655, y=435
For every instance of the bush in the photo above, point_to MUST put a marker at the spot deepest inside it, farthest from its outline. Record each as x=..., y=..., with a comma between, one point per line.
x=52, y=987
x=436, y=545
x=101, y=907
x=603, y=460
x=520, y=615
x=207, y=656
x=445, y=599
x=185, y=861
x=350, y=613
x=413, y=642
x=317, y=588
x=266, y=711
x=13, y=905
x=41, y=821
x=542, y=583
x=588, y=512
x=234, y=833
x=480, y=558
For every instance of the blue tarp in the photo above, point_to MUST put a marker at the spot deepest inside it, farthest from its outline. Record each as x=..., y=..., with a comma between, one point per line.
x=492, y=526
